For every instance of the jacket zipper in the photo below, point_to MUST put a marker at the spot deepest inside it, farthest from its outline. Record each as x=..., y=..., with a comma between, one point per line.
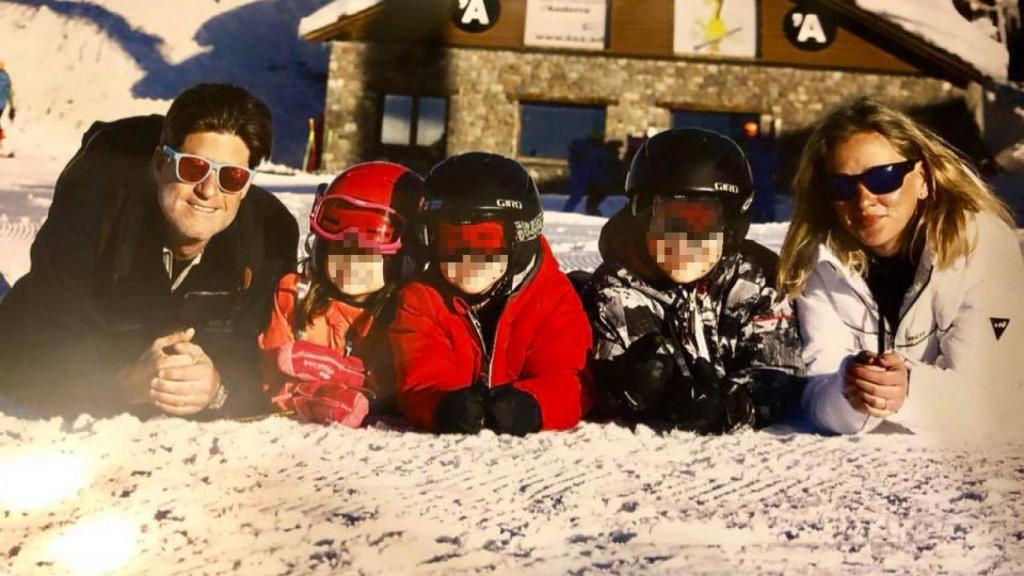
x=488, y=357
x=872, y=306
x=697, y=326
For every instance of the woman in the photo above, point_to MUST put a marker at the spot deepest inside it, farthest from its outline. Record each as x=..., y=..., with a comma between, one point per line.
x=907, y=271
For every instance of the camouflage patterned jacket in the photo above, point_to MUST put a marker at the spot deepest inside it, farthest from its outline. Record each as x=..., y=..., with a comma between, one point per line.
x=733, y=317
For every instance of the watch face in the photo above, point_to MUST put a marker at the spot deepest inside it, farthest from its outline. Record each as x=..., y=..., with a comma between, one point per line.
x=716, y=28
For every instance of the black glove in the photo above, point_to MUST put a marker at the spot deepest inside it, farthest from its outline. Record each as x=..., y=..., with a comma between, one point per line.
x=512, y=411
x=708, y=404
x=642, y=375
x=460, y=412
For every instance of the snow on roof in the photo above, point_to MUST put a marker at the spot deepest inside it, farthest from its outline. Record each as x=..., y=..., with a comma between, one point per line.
x=332, y=12
x=938, y=23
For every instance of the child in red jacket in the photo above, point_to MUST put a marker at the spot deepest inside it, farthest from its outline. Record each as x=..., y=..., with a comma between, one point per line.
x=326, y=346
x=491, y=334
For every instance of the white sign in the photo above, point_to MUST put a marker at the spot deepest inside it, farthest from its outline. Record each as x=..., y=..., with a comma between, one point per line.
x=716, y=28
x=577, y=24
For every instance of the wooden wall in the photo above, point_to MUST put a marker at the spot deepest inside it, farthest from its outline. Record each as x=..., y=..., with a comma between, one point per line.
x=641, y=28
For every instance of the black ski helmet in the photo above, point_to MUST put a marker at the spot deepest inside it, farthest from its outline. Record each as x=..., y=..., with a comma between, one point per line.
x=693, y=163
x=476, y=187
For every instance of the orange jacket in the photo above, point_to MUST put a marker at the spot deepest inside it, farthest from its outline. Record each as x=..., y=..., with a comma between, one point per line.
x=331, y=329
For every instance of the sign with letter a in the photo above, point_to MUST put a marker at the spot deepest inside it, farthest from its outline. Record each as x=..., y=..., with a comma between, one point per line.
x=475, y=16
x=810, y=29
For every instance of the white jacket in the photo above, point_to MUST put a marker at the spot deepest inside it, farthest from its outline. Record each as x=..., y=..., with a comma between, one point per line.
x=961, y=331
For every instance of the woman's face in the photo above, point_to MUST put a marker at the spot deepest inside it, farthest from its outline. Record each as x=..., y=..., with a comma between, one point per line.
x=355, y=273
x=876, y=220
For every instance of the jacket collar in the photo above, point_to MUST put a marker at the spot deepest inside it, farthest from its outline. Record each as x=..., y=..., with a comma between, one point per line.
x=826, y=260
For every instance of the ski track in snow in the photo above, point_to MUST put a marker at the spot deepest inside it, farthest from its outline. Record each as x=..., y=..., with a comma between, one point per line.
x=277, y=497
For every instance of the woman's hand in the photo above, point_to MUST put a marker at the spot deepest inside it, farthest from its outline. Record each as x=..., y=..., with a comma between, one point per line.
x=877, y=385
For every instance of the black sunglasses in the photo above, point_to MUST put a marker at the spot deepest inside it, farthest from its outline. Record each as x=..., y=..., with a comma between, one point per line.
x=883, y=179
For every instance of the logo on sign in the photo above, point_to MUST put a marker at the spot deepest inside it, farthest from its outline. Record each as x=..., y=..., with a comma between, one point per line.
x=810, y=30
x=475, y=16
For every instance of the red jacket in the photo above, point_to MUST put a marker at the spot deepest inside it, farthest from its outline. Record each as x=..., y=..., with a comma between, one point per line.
x=330, y=329
x=541, y=346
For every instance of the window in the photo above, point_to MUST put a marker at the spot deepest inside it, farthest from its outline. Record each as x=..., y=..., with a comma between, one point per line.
x=735, y=125
x=547, y=130
x=413, y=120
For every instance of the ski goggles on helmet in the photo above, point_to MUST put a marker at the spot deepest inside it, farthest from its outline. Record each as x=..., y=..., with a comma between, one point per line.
x=883, y=179
x=192, y=169
x=697, y=219
x=365, y=225
x=484, y=240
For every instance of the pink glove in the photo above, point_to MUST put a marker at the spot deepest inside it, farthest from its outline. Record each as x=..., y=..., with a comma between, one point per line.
x=327, y=402
x=309, y=362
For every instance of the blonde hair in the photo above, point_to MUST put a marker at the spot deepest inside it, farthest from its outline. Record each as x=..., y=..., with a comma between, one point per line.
x=955, y=191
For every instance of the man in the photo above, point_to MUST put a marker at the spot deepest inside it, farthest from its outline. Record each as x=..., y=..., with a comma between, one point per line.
x=154, y=271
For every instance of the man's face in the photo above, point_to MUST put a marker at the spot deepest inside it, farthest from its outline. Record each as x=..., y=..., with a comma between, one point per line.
x=195, y=213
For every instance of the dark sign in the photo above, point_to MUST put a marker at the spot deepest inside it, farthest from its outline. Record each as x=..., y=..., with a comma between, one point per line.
x=475, y=16
x=810, y=29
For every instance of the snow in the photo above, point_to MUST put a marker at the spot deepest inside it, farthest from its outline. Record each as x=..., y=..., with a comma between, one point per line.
x=169, y=496
x=938, y=22
x=109, y=59
x=274, y=497
x=333, y=12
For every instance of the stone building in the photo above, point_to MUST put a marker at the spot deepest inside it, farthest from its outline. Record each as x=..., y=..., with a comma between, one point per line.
x=416, y=80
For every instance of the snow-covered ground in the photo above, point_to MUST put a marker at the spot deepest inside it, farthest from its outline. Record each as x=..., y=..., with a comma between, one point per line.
x=273, y=497
x=276, y=497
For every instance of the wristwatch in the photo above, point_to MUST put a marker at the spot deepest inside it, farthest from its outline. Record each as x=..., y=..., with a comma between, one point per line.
x=218, y=401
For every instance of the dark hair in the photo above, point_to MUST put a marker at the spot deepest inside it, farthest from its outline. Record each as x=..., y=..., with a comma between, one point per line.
x=220, y=108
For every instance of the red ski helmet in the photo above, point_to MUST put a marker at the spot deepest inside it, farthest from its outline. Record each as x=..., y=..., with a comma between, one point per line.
x=364, y=205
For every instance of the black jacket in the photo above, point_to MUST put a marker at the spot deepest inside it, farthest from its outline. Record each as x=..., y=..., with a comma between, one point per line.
x=98, y=294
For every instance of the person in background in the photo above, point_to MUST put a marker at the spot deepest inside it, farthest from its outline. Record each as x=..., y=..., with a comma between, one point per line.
x=6, y=98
